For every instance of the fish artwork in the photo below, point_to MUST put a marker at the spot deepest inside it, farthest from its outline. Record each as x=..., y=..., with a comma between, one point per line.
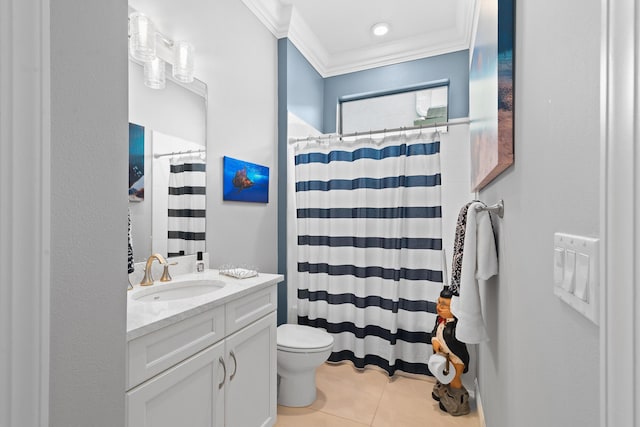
x=244, y=181
x=240, y=180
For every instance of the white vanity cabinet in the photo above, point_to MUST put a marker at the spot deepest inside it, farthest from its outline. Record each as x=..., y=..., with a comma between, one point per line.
x=250, y=392
x=185, y=395
x=216, y=368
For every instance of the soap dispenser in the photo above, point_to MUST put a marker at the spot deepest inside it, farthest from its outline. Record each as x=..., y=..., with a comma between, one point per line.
x=199, y=263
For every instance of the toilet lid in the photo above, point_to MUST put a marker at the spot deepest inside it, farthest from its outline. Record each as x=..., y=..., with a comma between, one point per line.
x=302, y=337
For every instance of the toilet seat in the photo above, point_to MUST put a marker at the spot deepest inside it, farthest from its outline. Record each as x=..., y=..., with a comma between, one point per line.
x=302, y=339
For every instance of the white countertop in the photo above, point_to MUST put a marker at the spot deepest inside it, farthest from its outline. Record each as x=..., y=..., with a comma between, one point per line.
x=145, y=317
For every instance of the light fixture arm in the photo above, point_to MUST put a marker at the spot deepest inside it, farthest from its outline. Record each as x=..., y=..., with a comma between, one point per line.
x=164, y=39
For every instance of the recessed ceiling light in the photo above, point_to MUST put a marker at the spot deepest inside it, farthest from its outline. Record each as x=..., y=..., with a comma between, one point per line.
x=380, y=29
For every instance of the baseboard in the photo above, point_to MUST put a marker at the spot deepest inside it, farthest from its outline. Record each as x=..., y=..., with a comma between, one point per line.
x=479, y=406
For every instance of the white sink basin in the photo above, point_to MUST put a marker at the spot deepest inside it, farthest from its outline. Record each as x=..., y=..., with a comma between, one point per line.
x=177, y=290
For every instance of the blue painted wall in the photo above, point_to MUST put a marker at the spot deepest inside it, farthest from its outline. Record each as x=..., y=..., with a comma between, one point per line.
x=452, y=66
x=305, y=88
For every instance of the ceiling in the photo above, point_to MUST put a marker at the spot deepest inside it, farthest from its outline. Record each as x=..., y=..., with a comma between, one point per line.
x=335, y=35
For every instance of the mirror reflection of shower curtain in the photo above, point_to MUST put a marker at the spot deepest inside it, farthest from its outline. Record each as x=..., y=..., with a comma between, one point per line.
x=186, y=206
x=369, y=248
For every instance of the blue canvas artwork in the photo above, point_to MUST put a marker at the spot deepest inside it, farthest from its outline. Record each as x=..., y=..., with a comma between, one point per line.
x=136, y=163
x=244, y=181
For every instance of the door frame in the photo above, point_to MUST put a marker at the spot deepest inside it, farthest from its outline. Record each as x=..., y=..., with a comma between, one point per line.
x=619, y=216
x=24, y=212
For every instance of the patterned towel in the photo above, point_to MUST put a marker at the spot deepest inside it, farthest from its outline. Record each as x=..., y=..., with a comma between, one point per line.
x=130, y=266
x=458, y=249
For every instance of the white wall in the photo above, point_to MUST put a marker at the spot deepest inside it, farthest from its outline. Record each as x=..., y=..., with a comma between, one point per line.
x=242, y=124
x=541, y=367
x=174, y=111
x=88, y=213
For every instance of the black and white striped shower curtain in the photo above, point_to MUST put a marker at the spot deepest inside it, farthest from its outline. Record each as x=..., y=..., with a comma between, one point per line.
x=186, y=204
x=370, y=248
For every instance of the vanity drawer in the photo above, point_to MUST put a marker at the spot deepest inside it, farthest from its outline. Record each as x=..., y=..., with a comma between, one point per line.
x=151, y=354
x=249, y=308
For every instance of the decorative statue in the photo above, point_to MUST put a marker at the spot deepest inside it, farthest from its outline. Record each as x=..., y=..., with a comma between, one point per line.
x=453, y=397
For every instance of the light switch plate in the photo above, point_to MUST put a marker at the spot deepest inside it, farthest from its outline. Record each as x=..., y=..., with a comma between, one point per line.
x=579, y=286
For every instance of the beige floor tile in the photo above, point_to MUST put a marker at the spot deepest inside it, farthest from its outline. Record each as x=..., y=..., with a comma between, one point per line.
x=408, y=403
x=345, y=392
x=348, y=397
x=308, y=417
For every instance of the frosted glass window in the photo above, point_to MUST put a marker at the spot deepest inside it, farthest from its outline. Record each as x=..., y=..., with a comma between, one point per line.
x=413, y=108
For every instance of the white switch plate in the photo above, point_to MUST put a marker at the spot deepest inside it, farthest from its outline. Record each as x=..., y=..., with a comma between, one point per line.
x=578, y=284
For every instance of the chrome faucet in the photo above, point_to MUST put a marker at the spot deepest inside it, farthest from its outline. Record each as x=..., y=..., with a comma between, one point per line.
x=147, y=280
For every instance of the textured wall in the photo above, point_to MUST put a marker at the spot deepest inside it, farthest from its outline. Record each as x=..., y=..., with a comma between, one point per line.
x=89, y=154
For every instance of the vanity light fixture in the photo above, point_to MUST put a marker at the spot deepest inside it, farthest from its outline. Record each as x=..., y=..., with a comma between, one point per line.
x=154, y=49
x=380, y=29
x=154, y=74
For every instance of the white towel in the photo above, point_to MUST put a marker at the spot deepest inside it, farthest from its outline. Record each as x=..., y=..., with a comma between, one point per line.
x=480, y=262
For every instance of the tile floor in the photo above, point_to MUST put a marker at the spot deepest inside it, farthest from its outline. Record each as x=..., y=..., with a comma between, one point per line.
x=351, y=398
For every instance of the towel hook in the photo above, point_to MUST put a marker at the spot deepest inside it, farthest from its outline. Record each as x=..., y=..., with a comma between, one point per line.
x=497, y=208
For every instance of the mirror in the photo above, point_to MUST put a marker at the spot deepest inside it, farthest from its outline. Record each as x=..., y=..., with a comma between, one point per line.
x=167, y=209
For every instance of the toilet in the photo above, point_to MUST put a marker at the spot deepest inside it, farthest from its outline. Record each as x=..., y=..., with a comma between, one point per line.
x=301, y=350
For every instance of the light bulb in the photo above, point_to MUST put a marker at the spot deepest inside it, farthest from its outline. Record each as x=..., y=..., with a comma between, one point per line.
x=380, y=29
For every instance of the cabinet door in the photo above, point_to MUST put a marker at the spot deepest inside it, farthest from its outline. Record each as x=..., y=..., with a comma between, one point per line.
x=191, y=393
x=251, y=382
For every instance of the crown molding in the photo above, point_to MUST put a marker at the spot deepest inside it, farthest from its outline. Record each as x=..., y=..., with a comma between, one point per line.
x=285, y=21
x=390, y=53
x=308, y=43
x=272, y=14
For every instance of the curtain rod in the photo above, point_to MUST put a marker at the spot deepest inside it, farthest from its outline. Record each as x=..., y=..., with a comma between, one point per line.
x=177, y=153
x=379, y=131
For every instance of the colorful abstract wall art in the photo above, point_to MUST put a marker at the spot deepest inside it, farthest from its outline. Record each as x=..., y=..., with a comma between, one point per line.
x=244, y=181
x=136, y=163
x=491, y=97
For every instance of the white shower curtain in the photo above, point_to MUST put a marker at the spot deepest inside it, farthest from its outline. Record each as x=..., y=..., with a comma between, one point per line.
x=368, y=247
x=186, y=206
